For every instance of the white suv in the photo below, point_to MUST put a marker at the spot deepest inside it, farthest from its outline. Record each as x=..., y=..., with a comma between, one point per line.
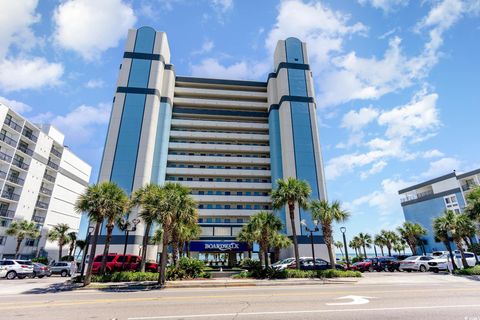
x=11, y=269
x=440, y=263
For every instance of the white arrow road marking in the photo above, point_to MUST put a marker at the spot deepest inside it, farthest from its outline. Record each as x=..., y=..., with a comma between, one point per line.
x=355, y=300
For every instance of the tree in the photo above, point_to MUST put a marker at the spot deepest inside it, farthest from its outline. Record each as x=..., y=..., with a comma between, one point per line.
x=412, y=232
x=59, y=233
x=183, y=233
x=473, y=204
x=20, y=230
x=441, y=228
x=289, y=192
x=339, y=245
x=72, y=239
x=462, y=227
x=327, y=214
x=355, y=244
x=138, y=199
x=265, y=225
x=247, y=235
x=100, y=201
x=279, y=241
x=365, y=241
x=390, y=237
x=80, y=244
x=379, y=241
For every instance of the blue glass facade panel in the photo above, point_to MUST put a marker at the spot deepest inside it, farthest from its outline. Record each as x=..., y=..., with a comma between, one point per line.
x=276, y=157
x=297, y=84
x=294, y=50
x=161, y=143
x=145, y=40
x=128, y=141
x=139, y=73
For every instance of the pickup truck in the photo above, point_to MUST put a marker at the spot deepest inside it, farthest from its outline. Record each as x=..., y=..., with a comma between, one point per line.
x=115, y=263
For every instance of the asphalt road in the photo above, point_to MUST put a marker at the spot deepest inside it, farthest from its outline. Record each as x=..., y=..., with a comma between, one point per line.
x=378, y=296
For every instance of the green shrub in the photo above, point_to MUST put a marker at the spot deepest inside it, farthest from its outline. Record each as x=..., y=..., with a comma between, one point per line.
x=126, y=276
x=473, y=271
x=43, y=260
x=357, y=259
x=242, y=275
x=251, y=264
x=330, y=273
x=193, y=268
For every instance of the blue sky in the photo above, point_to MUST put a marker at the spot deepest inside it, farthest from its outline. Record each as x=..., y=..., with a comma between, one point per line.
x=397, y=81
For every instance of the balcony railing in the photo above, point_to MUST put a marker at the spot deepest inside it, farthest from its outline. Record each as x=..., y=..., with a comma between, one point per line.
x=16, y=180
x=52, y=165
x=38, y=219
x=29, y=135
x=468, y=186
x=10, y=195
x=49, y=177
x=3, y=174
x=26, y=150
x=46, y=191
x=417, y=196
x=20, y=164
x=56, y=153
x=42, y=205
x=5, y=157
x=12, y=124
x=5, y=213
x=8, y=140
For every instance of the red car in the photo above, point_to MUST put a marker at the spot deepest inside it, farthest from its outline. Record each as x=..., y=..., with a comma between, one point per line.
x=115, y=263
x=365, y=265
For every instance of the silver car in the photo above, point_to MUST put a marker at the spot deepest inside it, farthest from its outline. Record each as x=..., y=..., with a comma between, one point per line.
x=62, y=268
x=415, y=263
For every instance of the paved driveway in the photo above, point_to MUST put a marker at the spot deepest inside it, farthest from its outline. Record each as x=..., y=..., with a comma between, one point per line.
x=27, y=285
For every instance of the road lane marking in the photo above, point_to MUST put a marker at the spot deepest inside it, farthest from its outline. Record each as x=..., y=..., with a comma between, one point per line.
x=355, y=300
x=260, y=313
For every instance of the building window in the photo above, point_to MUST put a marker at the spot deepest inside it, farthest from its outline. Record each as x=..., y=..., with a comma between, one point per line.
x=222, y=231
x=239, y=220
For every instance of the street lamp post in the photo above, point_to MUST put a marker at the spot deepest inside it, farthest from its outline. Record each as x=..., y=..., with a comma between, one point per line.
x=126, y=227
x=85, y=252
x=315, y=222
x=343, y=230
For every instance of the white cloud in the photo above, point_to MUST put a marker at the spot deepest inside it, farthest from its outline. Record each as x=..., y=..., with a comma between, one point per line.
x=376, y=168
x=90, y=27
x=212, y=68
x=321, y=27
x=18, y=106
x=79, y=124
x=34, y=73
x=207, y=46
x=441, y=167
x=16, y=18
x=95, y=83
x=356, y=120
x=432, y=154
x=385, y=5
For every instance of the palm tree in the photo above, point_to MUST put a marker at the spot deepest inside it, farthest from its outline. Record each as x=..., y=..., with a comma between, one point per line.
x=288, y=192
x=182, y=233
x=279, y=241
x=379, y=241
x=247, y=235
x=99, y=201
x=266, y=225
x=365, y=241
x=355, y=244
x=72, y=239
x=59, y=233
x=22, y=229
x=441, y=228
x=462, y=227
x=473, y=204
x=339, y=245
x=412, y=232
x=390, y=237
x=191, y=233
x=80, y=244
x=138, y=199
x=327, y=214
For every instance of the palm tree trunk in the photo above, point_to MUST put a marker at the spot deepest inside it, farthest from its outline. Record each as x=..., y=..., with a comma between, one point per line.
x=60, y=249
x=413, y=247
x=375, y=249
x=17, y=249
x=163, y=258
x=145, y=246
x=175, y=252
x=291, y=209
x=389, y=251
x=364, y=252
x=381, y=250
x=327, y=236
x=462, y=253
x=88, y=274
x=449, y=248
x=106, y=248
x=249, y=251
x=265, y=256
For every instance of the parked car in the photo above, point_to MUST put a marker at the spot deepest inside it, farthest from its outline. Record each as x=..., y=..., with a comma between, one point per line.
x=307, y=264
x=12, y=269
x=362, y=266
x=386, y=264
x=62, y=268
x=282, y=264
x=115, y=263
x=415, y=263
x=440, y=263
x=40, y=270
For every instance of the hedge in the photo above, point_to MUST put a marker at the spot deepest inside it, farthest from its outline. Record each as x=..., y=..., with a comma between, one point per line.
x=473, y=271
x=271, y=273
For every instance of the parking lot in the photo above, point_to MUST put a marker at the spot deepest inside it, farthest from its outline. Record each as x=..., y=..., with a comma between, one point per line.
x=28, y=285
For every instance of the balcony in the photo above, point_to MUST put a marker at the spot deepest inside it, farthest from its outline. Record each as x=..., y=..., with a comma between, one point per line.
x=46, y=191
x=49, y=177
x=10, y=195
x=5, y=213
x=20, y=164
x=29, y=135
x=56, y=152
x=468, y=186
x=12, y=124
x=417, y=196
x=52, y=165
x=3, y=174
x=38, y=219
x=5, y=157
x=8, y=140
x=26, y=150
x=41, y=205
x=16, y=180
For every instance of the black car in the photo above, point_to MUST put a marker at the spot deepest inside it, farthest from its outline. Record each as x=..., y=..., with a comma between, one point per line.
x=320, y=264
x=386, y=264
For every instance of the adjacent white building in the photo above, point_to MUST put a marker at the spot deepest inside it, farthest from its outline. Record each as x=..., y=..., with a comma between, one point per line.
x=40, y=180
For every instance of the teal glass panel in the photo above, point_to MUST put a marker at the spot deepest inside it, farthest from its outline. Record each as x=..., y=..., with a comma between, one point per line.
x=294, y=50
x=161, y=143
x=139, y=73
x=297, y=83
x=145, y=40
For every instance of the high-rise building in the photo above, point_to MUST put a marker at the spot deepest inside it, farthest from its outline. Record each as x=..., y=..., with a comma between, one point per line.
x=40, y=180
x=227, y=140
x=423, y=202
